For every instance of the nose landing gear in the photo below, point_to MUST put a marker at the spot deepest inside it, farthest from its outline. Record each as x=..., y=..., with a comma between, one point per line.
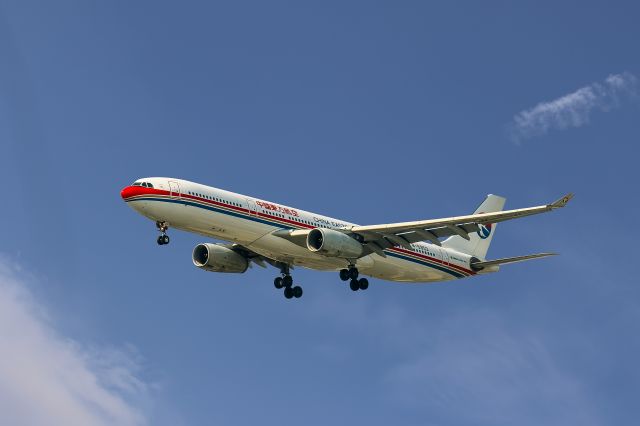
x=163, y=238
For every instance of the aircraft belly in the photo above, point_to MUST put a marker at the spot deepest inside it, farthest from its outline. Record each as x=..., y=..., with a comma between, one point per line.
x=285, y=251
x=393, y=269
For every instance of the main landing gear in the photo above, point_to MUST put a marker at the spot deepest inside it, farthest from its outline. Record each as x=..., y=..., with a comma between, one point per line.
x=286, y=282
x=163, y=238
x=351, y=275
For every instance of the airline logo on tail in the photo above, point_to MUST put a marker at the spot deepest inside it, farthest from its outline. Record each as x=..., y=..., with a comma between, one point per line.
x=484, y=231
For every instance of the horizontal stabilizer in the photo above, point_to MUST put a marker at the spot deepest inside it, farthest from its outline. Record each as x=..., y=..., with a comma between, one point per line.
x=483, y=264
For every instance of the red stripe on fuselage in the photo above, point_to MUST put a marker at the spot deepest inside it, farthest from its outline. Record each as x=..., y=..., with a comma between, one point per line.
x=433, y=259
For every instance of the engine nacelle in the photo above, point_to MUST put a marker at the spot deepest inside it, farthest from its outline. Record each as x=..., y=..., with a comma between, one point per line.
x=218, y=258
x=472, y=265
x=331, y=243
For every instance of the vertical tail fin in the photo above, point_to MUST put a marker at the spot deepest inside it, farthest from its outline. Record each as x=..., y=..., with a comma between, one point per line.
x=478, y=242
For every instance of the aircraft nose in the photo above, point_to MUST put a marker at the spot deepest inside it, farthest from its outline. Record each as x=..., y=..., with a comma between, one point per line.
x=126, y=192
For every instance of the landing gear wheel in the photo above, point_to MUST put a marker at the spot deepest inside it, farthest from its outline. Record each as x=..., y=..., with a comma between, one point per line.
x=297, y=292
x=353, y=273
x=278, y=283
x=363, y=283
x=354, y=285
x=163, y=238
x=288, y=292
x=287, y=281
x=344, y=274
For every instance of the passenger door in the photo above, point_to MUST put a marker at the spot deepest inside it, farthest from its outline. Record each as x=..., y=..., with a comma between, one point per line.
x=252, y=207
x=174, y=189
x=445, y=256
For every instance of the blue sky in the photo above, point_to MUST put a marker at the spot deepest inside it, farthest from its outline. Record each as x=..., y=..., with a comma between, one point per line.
x=368, y=111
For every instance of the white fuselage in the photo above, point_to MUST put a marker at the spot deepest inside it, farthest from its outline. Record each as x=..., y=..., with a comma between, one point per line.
x=251, y=222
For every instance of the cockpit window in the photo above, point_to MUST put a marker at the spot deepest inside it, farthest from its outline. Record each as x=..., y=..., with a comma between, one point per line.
x=149, y=185
x=136, y=184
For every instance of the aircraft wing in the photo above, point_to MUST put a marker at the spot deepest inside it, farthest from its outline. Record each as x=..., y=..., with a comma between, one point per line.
x=254, y=257
x=379, y=237
x=251, y=256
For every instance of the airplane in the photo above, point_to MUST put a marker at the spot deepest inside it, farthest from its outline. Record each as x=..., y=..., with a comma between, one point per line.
x=262, y=232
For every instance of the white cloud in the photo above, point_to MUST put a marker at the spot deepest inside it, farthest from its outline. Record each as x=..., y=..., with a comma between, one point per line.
x=574, y=109
x=47, y=378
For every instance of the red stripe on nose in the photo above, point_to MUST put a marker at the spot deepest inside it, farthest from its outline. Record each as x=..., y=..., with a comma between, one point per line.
x=128, y=191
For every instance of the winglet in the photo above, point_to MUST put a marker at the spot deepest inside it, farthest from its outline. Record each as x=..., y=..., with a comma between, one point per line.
x=562, y=201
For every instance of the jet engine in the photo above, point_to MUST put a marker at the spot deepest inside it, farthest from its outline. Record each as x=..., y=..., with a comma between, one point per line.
x=219, y=258
x=331, y=243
